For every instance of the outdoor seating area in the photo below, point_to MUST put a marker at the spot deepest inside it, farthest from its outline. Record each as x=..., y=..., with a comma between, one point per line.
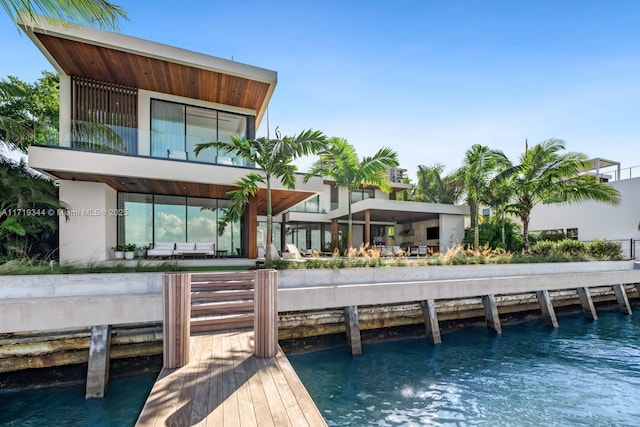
x=180, y=249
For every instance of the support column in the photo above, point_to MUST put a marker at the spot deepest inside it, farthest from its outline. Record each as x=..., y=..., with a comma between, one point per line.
x=176, y=327
x=431, y=321
x=548, y=314
x=587, y=303
x=265, y=320
x=491, y=313
x=353, y=329
x=367, y=227
x=98, y=370
x=621, y=297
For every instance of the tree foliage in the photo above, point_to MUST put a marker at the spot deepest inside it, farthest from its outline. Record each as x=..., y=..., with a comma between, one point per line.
x=275, y=159
x=434, y=187
x=100, y=13
x=546, y=173
x=341, y=163
x=29, y=111
x=29, y=210
x=481, y=164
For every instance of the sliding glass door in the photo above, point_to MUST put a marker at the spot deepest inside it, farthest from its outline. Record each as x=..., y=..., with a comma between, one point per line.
x=177, y=128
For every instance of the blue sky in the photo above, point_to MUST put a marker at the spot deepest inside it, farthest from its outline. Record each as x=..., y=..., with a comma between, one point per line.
x=427, y=78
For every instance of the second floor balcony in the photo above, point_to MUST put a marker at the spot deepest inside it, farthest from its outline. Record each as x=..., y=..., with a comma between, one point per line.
x=136, y=141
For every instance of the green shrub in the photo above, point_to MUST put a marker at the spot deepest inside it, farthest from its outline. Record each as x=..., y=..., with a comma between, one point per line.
x=544, y=248
x=571, y=247
x=605, y=250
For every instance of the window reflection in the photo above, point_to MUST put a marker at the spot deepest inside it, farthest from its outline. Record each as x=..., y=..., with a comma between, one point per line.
x=160, y=218
x=176, y=129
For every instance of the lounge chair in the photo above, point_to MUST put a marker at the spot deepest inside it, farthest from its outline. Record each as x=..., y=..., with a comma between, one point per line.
x=293, y=252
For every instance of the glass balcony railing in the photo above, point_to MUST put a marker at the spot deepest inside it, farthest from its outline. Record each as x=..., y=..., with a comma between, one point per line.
x=132, y=141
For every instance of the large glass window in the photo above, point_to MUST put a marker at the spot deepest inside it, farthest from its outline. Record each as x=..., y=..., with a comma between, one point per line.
x=137, y=225
x=313, y=236
x=362, y=194
x=311, y=205
x=277, y=235
x=201, y=128
x=335, y=196
x=201, y=219
x=169, y=219
x=167, y=129
x=176, y=129
x=159, y=218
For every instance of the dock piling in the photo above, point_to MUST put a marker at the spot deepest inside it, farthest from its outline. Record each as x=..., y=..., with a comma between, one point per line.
x=431, y=321
x=587, y=303
x=176, y=327
x=491, y=313
x=265, y=321
x=353, y=329
x=621, y=297
x=98, y=369
x=548, y=313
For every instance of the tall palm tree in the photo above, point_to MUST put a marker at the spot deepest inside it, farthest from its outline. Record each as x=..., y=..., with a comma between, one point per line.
x=100, y=13
x=340, y=162
x=433, y=187
x=481, y=164
x=275, y=159
x=546, y=174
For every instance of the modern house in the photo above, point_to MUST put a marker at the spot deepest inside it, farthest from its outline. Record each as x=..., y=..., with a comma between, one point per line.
x=590, y=220
x=320, y=223
x=131, y=113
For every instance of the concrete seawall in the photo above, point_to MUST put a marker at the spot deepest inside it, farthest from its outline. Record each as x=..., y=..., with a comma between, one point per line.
x=46, y=319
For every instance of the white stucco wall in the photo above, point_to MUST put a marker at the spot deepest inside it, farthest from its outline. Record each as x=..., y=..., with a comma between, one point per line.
x=91, y=229
x=451, y=231
x=595, y=220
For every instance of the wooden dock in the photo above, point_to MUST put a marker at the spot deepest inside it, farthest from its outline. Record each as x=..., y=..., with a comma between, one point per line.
x=225, y=385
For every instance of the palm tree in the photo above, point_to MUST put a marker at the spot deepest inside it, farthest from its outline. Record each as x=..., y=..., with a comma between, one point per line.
x=274, y=157
x=479, y=167
x=340, y=162
x=433, y=187
x=100, y=13
x=545, y=174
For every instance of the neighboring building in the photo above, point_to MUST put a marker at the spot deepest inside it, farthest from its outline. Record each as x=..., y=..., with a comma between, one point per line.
x=397, y=175
x=592, y=220
x=131, y=113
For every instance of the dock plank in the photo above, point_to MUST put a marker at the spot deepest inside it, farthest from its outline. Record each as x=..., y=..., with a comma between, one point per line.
x=215, y=417
x=225, y=385
x=258, y=396
x=230, y=404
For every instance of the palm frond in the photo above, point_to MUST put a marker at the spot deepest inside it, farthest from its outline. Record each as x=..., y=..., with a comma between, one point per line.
x=100, y=13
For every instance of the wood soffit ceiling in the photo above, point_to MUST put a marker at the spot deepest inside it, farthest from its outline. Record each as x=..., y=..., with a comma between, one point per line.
x=281, y=200
x=110, y=65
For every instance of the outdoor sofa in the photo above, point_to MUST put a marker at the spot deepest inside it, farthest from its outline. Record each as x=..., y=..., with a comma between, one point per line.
x=170, y=250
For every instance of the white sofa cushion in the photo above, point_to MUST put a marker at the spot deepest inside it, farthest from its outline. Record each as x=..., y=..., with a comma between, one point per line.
x=184, y=247
x=204, y=247
x=163, y=246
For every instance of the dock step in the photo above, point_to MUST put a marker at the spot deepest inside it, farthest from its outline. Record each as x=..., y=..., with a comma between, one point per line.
x=222, y=322
x=221, y=307
x=221, y=301
x=227, y=295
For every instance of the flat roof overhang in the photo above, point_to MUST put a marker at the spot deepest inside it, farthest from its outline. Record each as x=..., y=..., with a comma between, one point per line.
x=111, y=57
x=397, y=211
x=151, y=175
